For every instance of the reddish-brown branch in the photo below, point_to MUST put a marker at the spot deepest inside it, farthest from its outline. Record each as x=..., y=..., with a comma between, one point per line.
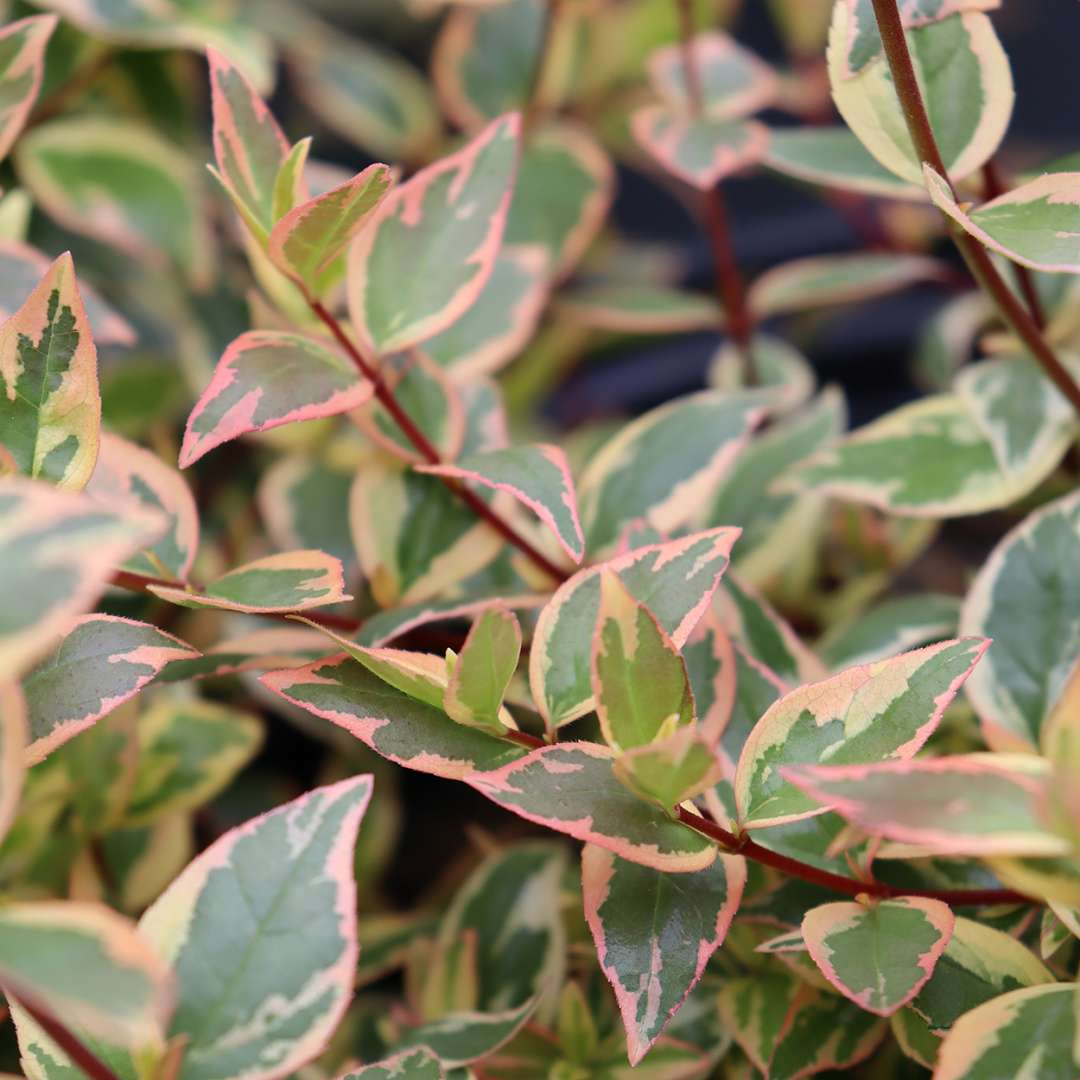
x=982, y=268
x=385, y=396
x=72, y=1046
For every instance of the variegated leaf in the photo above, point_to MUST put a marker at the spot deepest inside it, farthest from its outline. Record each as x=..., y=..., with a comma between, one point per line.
x=675, y=580
x=306, y=242
x=425, y=255
x=267, y=378
x=396, y=726
x=538, y=476
x=418, y=1064
x=1026, y=597
x=22, y=63
x=698, y=149
x=636, y=307
x=188, y=752
x=292, y=581
x=671, y=769
x=248, y=144
x=461, y=1037
x=654, y=933
x=13, y=739
x=884, y=710
x=778, y=367
x=50, y=405
x=126, y=473
x=142, y=860
x=261, y=650
x=572, y=789
x=101, y=662
x=482, y=671
x=57, y=551
x=120, y=182
x=1036, y=224
x=974, y=804
x=880, y=954
x=1029, y=1032
x=282, y=978
x=966, y=82
x=662, y=465
x=87, y=965
x=734, y=82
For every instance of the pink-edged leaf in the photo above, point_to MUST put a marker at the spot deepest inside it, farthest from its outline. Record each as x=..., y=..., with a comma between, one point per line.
x=884, y=710
x=879, y=954
x=426, y=254
x=291, y=581
x=261, y=650
x=57, y=551
x=267, y=378
x=479, y=676
x=654, y=933
x=974, y=804
x=398, y=727
x=699, y=150
x=13, y=738
x=101, y=662
x=306, y=241
x=22, y=64
x=292, y=869
x=418, y=1064
x=538, y=476
x=126, y=473
x=572, y=789
x=50, y=405
x=248, y=144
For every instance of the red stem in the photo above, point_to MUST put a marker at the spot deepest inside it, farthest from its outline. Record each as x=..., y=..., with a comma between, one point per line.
x=72, y=1046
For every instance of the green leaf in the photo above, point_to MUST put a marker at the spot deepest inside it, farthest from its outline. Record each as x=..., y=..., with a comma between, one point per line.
x=670, y=769
x=654, y=933
x=188, y=752
x=778, y=367
x=50, y=405
x=119, y=182
x=57, y=552
x=966, y=82
x=282, y=977
x=426, y=254
x=881, y=954
x=13, y=738
x=637, y=307
x=259, y=650
x=307, y=241
x=572, y=789
x=459, y=1038
x=1031, y=1031
x=257, y=386
x=967, y=804
x=87, y=965
x=483, y=669
x=664, y=464
x=22, y=63
x=402, y=729
x=675, y=580
x=1026, y=597
x=291, y=581
x=418, y=1064
x=101, y=662
x=537, y=476
x=881, y=711
x=1035, y=224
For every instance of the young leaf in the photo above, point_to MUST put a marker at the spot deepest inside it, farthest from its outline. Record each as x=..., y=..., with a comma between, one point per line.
x=881, y=711
x=57, y=551
x=267, y=378
x=248, y=144
x=1026, y=597
x=671, y=769
x=636, y=307
x=22, y=63
x=879, y=955
x=306, y=241
x=125, y=472
x=101, y=662
x=1035, y=224
x=660, y=466
x=654, y=933
x=425, y=255
x=50, y=406
x=538, y=476
x=483, y=670
x=675, y=580
x=402, y=729
x=13, y=738
x=572, y=789
x=973, y=804
x=280, y=979
x=418, y=1064
x=291, y=581
x=87, y=965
